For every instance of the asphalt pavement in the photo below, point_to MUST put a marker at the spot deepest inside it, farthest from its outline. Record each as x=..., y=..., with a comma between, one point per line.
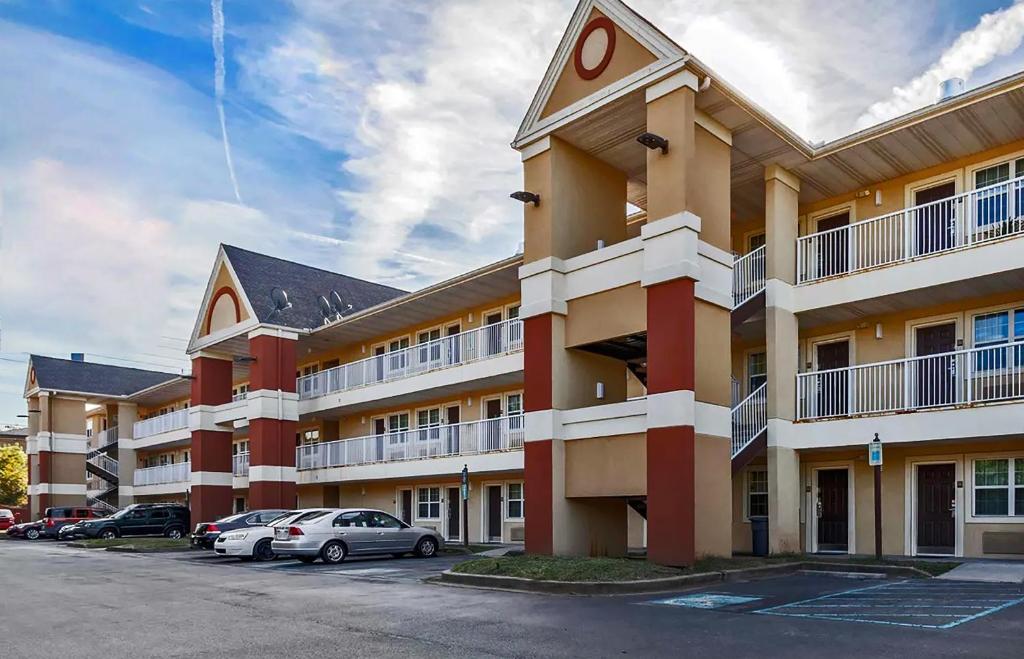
x=65, y=602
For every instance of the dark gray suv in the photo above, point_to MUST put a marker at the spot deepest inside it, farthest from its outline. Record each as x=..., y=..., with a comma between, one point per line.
x=166, y=519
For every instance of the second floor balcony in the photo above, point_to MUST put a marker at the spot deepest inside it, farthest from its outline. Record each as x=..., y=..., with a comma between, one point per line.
x=960, y=378
x=157, y=425
x=471, y=438
x=474, y=345
x=240, y=464
x=161, y=474
x=954, y=223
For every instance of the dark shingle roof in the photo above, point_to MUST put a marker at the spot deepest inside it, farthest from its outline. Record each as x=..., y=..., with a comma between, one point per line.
x=259, y=274
x=92, y=378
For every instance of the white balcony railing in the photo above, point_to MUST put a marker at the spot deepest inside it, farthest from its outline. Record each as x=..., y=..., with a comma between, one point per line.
x=501, y=434
x=106, y=437
x=175, y=473
x=747, y=276
x=966, y=219
x=159, y=424
x=749, y=418
x=962, y=377
x=240, y=464
x=104, y=462
x=463, y=348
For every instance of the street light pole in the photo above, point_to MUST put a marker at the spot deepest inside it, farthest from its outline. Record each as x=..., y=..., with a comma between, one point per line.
x=464, y=490
x=875, y=460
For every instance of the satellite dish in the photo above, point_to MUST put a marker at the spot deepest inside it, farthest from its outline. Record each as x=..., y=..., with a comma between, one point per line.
x=280, y=299
x=325, y=308
x=339, y=306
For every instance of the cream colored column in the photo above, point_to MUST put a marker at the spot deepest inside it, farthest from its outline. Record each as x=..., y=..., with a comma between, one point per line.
x=782, y=190
x=127, y=415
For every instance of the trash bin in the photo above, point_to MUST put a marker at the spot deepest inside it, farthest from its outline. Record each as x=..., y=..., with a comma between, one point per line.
x=759, y=533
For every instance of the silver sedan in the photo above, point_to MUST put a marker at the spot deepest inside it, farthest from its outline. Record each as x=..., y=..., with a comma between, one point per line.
x=334, y=534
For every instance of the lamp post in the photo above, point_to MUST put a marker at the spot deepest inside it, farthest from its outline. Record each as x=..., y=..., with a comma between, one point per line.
x=875, y=460
x=465, y=505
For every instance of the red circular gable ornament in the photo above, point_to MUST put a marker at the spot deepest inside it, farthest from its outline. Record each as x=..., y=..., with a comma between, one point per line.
x=594, y=48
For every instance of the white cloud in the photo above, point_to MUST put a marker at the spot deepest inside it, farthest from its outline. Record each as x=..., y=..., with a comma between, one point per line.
x=997, y=34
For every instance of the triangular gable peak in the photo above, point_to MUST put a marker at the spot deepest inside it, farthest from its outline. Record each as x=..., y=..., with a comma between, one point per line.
x=31, y=384
x=225, y=310
x=607, y=51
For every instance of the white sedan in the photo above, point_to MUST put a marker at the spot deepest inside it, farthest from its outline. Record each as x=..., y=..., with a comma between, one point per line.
x=253, y=543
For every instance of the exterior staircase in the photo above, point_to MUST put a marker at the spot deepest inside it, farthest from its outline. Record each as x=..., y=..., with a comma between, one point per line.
x=100, y=464
x=748, y=283
x=749, y=427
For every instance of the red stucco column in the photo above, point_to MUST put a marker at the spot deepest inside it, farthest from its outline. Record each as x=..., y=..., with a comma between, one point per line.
x=210, y=498
x=538, y=466
x=273, y=418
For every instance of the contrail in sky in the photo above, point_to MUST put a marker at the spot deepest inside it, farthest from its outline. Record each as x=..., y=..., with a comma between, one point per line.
x=217, y=6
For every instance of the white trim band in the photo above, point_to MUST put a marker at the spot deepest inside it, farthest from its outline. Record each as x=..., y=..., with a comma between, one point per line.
x=219, y=478
x=272, y=474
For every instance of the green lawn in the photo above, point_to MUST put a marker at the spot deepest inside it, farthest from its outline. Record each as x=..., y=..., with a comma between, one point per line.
x=559, y=568
x=141, y=544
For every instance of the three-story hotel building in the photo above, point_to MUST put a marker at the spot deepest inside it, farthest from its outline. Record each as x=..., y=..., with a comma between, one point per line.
x=710, y=320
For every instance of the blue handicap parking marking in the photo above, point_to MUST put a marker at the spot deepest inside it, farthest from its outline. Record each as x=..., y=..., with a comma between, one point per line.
x=916, y=603
x=706, y=600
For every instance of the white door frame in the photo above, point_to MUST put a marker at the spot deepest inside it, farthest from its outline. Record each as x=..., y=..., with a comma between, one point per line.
x=412, y=501
x=910, y=502
x=484, y=502
x=445, y=528
x=851, y=506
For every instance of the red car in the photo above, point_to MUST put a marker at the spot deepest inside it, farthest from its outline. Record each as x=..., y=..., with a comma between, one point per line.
x=54, y=519
x=6, y=519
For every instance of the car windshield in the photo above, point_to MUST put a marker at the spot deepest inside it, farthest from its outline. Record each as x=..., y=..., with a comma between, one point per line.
x=6, y=513
x=310, y=516
x=232, y=518
x=121, y=513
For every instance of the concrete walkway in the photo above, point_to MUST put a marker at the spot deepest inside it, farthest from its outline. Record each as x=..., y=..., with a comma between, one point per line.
x=994, y=571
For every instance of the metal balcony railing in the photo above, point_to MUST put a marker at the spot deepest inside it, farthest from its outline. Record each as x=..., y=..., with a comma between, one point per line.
x=463, y=348
x=960, y=221
x=748, y=276
x=175, y=420
x=471, y=438
x=749, y=418
x=173, y=473
x=240, y=464
x=104, y=462
x=963, y=377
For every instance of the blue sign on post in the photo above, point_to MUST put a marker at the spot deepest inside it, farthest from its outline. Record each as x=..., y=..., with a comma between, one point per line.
x=875, y=452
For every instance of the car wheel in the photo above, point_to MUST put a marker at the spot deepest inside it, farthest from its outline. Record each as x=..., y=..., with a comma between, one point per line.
x=426, y=547
x=307, y=559
x=333, y=553
x=263, y=551
x=108, y=534
x=174, y=533
x=32, y=534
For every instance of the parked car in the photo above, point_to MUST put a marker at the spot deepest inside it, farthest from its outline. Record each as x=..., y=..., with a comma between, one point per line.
x=254, y=543
x=55, y=519
x=206, y=533
x=6, y=519
x=27, y=530
x=166, y=519
x=333, y=534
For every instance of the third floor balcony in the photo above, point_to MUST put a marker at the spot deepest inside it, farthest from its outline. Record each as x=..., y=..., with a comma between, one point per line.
x=476, y=345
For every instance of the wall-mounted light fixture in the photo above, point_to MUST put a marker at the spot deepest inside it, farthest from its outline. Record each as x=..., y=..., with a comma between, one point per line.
x=469, y=402
x=878, y=330
x=600, y=391
x=878, y=197
x=526, y=197
x=600, y=244
x=652, y=141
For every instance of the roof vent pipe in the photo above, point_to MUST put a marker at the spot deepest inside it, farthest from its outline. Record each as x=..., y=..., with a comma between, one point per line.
x=950, y=88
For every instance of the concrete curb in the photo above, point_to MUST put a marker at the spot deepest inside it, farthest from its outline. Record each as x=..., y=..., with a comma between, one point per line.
x=132, y=549
x=665, y=584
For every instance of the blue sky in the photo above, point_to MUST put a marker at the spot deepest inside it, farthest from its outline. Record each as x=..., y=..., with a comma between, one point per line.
x=368, y=137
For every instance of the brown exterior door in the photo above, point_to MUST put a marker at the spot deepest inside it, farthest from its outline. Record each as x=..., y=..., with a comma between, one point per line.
x=936, y=376
x=935, y=223
x=493, y=340
x=833, y=510
x=494, y=513
x=454, y=514
x=936, y=512
x=492, y=429
x=405, y=513
x=453, y=430
x=834, y=250
x=833, y=385
x=379, y=429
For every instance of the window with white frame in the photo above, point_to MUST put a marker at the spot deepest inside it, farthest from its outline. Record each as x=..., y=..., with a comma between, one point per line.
x=398, y=427
x=757, y=370
x=994, y=332
x=999, y=487
x=1002, y=203
x=428, y=423
x=757, y=493
x=428, y=500
x=514, y=501
x=307, y=437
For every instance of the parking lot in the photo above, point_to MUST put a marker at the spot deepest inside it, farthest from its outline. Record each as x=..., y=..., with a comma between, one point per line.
x=60, y=601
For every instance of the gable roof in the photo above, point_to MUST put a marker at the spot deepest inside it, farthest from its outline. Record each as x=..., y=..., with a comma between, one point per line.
x=92, y=378
x=259, y=274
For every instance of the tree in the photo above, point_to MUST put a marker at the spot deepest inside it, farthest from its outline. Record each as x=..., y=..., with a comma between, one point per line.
x=13, y=475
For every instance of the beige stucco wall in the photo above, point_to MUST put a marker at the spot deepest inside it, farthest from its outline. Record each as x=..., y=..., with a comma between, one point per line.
x=606, y=315
x=712, y=495
x=606, y=466
x=712, y=345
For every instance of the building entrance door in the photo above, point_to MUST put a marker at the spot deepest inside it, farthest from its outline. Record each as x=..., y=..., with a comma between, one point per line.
x=833, y=510
x=936, y=509
x=936, y=376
